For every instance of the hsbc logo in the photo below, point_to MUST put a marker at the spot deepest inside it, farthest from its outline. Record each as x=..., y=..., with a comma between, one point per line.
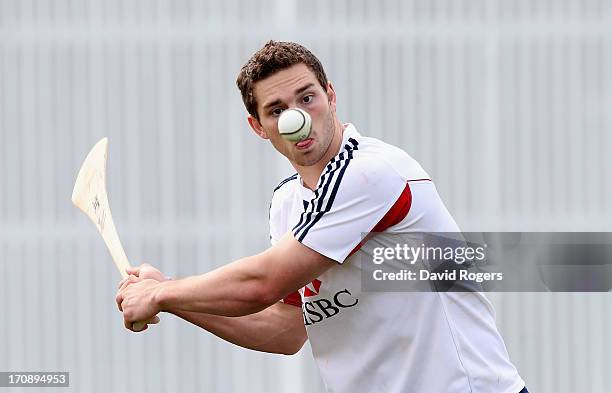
x=318, y=310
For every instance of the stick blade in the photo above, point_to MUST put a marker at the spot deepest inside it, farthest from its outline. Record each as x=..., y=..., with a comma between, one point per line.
x=89, y=195
x=91, y=178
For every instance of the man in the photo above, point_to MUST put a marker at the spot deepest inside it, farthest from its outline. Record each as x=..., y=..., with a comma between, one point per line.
x=346, y=185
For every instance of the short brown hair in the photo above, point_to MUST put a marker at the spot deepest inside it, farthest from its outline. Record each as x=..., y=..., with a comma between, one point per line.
x=273, y=57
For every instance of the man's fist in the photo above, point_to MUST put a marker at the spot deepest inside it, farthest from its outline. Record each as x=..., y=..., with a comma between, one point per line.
x=139, y=273
x=136, y=299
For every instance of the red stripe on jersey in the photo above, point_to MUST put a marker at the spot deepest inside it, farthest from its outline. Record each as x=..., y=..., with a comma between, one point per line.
x=294, y=299
x=395, y=215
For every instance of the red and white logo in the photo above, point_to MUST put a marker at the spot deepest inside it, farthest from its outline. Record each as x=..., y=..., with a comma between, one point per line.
x=312, y=289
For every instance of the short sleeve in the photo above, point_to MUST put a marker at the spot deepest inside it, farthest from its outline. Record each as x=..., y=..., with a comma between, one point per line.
x=352, y=197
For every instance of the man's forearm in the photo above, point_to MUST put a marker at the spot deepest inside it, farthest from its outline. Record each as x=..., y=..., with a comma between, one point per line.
x=237, y=289
x=277, y=329
x=243, y=287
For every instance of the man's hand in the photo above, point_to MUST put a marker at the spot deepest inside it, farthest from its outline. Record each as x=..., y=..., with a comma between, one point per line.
x=143, y=271
x=136, y=299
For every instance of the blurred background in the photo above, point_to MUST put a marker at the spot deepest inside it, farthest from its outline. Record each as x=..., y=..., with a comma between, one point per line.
x=506, y=103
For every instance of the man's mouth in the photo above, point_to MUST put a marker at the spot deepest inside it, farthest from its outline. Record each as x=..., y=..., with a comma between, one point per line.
x=305, y=144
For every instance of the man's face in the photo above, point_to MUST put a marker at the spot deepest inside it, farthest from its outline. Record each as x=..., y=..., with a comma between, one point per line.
x=296, y=87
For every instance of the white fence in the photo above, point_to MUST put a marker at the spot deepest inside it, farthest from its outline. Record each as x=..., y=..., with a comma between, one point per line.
x=505, y=103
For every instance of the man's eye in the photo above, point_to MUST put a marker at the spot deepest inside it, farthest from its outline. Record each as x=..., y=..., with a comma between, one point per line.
x=277, y=111
x=307, y=99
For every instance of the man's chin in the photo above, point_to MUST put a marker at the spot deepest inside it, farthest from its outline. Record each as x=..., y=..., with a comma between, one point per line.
x=306, y=160
x=305, y=163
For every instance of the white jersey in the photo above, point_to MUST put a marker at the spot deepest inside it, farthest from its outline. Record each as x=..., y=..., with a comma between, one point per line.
x=418, y=342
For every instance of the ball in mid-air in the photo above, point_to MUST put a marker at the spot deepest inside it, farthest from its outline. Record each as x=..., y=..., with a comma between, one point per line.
x=294, y=124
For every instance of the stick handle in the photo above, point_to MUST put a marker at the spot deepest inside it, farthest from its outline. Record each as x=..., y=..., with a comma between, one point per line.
x=113, y=243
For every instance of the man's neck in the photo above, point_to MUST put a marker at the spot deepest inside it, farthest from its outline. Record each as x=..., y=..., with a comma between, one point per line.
x=310, y=174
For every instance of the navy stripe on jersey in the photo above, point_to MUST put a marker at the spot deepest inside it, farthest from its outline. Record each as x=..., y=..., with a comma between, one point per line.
x=331, y=198
x=306, y=215
x=306, y=220
x=319, y=192
x=339, y=164
x=287, y=180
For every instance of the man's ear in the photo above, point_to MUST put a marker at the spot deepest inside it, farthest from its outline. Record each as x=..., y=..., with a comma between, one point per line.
x=331, y=95
x=257, y=128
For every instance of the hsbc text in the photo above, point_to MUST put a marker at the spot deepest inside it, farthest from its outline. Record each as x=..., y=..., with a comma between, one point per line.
x=318, y=310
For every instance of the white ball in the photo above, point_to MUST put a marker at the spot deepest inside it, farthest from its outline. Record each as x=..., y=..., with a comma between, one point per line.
x=294, y=124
